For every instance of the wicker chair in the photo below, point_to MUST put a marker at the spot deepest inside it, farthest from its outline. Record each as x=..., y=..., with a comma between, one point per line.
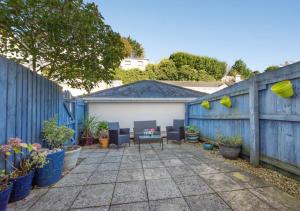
x=176, y=132
x=117, y=135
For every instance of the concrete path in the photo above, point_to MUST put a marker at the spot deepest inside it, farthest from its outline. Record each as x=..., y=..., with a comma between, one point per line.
x=179, y=178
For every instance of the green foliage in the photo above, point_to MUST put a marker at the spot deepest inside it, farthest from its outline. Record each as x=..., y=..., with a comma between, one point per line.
x=211, y=66
x=192, y=129
x=102, y=129
x=55, y=135
x=67, y=41
x=272, y=68
x=166, y=70
x=89, y=126
x=137, y=48
x=240, y=68
x=229, y=141
x=3, y=180
x=132, y=75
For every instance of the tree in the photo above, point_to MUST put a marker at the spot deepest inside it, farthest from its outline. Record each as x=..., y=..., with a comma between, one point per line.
x=137, y=50
x=166, y=70
x=212, y=66
x=272, y=68
x=67, y=41
x=240, y=68
x=132, y=75
x=127, y=47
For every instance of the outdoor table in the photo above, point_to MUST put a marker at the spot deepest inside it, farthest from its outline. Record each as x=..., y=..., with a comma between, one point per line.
x=151, y=138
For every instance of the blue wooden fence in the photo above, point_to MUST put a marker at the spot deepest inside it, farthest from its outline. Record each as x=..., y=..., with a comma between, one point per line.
x=268, y=124
x=27, y=99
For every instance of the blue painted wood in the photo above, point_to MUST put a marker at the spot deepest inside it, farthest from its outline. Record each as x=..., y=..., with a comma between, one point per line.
x=279, y=129
x=26, y=100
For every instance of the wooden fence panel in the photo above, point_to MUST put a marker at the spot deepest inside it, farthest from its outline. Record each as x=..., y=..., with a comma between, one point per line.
x=27, y=99
x=278, y=124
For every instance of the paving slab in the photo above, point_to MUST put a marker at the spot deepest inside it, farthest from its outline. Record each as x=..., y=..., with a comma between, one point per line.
x=131, y=158
x=203, y=169
x=278, y=199
x=127, y=175
x=129, y=192
x=84, y=168
x=247, y=180
x=221, y=182
x=239, y=200
x=175, y=204
x=57, y=199
x=94, y=195
x=131, y=165
x=191, y=161
x=102, y=208
x=25, y=204
x=164, y=156
x=149, y=157
x=181, y=171
x=152, y=164
x=96, y=155
x=108, y=167
x=112, y=159
x=207, y=202
x=156, y=173
x=223, y=167
x=139, y=206
x=92, y=160
x=162, y=189
x=99, y=177
x=193, y=185
x=172, y=162
x=73, y=180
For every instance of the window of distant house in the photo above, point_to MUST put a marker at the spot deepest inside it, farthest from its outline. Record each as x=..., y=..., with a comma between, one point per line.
x=127, y=62
x=140, y=63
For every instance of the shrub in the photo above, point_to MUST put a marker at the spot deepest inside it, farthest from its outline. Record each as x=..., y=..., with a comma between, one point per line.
x=230, y=141
x=192, y=129
x=102, y=129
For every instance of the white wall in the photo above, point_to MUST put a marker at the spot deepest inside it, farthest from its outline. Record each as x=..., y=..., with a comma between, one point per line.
x=130, y=63
x=126, y=113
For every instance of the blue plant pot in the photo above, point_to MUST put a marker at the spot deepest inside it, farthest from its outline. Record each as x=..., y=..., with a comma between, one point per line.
x=21, y=187
x=4, y=197
x=207, y=146
x=51, y=172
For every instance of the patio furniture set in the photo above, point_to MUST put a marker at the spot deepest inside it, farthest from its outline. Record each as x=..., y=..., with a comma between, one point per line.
x=145, y=132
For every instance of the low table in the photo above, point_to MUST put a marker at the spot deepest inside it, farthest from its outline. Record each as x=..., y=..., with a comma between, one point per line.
x=151, y=138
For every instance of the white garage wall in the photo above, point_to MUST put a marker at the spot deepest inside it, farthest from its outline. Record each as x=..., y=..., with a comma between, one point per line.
x=126, y=113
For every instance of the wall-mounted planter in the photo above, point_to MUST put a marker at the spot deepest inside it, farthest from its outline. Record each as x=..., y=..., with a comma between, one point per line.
x=283, y=89
x=205, y=104
x=225, y=101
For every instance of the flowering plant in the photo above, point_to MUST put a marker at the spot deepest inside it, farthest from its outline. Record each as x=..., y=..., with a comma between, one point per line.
x=3, y=180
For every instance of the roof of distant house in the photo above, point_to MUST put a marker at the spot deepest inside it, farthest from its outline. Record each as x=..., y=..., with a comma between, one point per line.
x=195, y=83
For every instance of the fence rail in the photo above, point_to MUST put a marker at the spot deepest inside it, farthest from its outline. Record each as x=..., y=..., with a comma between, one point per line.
x=27, y=99
x=268, y=124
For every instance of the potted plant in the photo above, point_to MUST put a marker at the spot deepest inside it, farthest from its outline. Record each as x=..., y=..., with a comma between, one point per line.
x=208, y=146
x=192, y=134
x=21, y=175
x=55, y=136
x=102, y=132
x=89, y=125
x=5, y=189
x=230, y=147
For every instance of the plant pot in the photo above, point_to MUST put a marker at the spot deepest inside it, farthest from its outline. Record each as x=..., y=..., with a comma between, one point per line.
x=192, y=137
x=205, y=104
x=21, y=187
x=283, y=89
x=4, y=196
x=87, y=141
x=71, y=158
x=208, y=146
x=104, y=142
x=52, y=171
x=225, y=101
x=230, y=152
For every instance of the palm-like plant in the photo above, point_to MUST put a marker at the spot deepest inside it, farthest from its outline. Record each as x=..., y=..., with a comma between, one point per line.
x=89, y=126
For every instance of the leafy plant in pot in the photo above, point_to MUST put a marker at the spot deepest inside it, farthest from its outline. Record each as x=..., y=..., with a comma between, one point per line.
x=22, y=174
x=89, y=125
x=192, y=134
x=102, y=132
x=55, y=137
x=5, y=189
x=230, y=147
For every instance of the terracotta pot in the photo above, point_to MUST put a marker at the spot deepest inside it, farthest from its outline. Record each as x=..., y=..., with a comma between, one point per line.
x=104, y=142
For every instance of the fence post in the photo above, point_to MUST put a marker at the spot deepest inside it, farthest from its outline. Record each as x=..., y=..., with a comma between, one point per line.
x=186, y=114
x=254, y=122
x=76, y=120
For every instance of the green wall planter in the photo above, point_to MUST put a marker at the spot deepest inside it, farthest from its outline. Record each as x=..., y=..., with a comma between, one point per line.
x=225, y=101
x=205, y=104
x=283, y=89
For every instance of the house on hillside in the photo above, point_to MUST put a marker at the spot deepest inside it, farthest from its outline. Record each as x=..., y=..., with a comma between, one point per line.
x=130, y=63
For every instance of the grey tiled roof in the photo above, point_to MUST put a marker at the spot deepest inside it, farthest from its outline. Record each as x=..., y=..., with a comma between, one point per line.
x=146, y=89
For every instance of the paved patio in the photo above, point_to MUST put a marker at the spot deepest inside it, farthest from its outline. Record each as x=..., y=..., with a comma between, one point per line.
x=179, y=178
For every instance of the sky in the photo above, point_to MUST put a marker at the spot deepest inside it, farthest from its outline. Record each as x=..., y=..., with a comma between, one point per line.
x=261, y=32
